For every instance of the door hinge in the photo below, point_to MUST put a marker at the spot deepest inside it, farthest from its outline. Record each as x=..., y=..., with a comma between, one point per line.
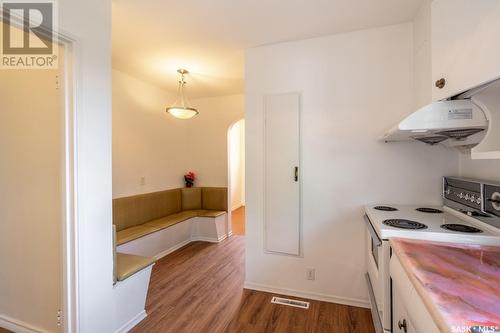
x=59, y=317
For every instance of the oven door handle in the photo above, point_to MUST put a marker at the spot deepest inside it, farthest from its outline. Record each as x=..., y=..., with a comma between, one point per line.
x=372, y=231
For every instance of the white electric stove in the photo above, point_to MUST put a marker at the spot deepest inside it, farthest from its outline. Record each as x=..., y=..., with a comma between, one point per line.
x=470, y=215
x=433, y=223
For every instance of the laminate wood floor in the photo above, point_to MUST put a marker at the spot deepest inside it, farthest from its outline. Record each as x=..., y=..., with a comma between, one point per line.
x=199, y=288
x=238, y=221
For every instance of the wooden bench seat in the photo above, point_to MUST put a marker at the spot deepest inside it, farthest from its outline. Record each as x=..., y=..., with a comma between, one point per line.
x=132, y=233
x=212, y=213
x=153, y=224
x=129, y=234
x=129, y=264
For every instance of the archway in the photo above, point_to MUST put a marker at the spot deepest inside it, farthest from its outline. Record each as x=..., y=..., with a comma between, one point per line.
x=236, y=177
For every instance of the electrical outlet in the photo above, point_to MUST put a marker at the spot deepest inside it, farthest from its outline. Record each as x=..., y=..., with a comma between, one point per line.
x=143, y=181
x=311, y=273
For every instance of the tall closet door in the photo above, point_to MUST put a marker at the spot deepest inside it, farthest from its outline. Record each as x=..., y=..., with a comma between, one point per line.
x=282, y=174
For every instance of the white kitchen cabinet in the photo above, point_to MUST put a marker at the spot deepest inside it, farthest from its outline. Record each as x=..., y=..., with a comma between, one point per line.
x=465, y=45
x=409, y=314
x=401, y=320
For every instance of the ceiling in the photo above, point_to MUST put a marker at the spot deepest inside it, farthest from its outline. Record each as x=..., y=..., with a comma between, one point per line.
x=153, y=38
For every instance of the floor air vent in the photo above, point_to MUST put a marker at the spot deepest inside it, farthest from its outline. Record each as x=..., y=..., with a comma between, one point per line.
x=290, y=302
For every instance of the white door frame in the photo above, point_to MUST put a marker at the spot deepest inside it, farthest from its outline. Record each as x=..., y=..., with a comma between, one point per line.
x=229, y=229
x=72, y=104
x=71, y=225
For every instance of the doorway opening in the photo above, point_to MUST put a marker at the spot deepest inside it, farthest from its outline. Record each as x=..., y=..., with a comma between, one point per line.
x=236, y=158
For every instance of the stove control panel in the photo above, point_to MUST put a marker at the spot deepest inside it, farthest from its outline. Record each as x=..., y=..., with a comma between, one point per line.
x=464, y=192
x=477, y=199
x=492, y=199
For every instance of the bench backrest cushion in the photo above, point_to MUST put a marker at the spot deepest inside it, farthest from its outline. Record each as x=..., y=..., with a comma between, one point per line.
x=214, y=198
x=191, y=198
x=142, y=208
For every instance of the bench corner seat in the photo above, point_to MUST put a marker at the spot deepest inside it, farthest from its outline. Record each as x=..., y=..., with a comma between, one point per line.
x=132, y=233
x=128, y=264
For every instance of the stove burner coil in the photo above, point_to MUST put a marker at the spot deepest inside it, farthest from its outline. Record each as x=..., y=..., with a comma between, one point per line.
x=461, y=228
x=404, y=224
x=385, y=208
x=429, y=210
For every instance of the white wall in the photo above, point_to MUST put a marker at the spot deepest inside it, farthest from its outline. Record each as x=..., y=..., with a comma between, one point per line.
x=354, y=86
x=488, y=170
x=237, y=163
x=422, y=56
x=147, y=141
x=208, y=153
x=95, y=299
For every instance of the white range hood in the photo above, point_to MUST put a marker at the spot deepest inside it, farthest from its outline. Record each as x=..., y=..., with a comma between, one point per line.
x=453, y=123
x=470, y=120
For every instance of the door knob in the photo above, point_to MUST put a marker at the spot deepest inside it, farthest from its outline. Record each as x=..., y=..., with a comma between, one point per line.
x=441, y=83
x=402, y=325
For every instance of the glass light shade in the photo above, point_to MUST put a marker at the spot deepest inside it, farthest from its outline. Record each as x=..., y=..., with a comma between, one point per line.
x=181, y=108
x=182, y=112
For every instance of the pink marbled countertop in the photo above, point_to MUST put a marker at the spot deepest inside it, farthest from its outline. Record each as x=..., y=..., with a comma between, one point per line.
x=459, y=284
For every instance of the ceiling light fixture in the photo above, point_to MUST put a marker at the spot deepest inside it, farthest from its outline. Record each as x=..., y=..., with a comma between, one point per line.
x=181, y=108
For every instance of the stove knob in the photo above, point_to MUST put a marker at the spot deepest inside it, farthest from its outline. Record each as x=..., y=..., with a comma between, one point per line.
x=478, y=200
x=467, y=196
x=448, y=191
x=461, y=195
x=472, y=199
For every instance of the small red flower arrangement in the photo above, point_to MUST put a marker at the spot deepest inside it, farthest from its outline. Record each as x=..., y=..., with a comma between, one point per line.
x=189, y=179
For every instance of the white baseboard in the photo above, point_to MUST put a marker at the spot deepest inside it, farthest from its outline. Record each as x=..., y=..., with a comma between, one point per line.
x=309, y=295
x=209, y=239
x=172, y=249
x=18, y=326
x=132, y=322
x=204, y=239
x=193, y=239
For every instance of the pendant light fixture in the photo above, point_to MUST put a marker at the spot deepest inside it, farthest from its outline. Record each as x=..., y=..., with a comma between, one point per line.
x=181, y=108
